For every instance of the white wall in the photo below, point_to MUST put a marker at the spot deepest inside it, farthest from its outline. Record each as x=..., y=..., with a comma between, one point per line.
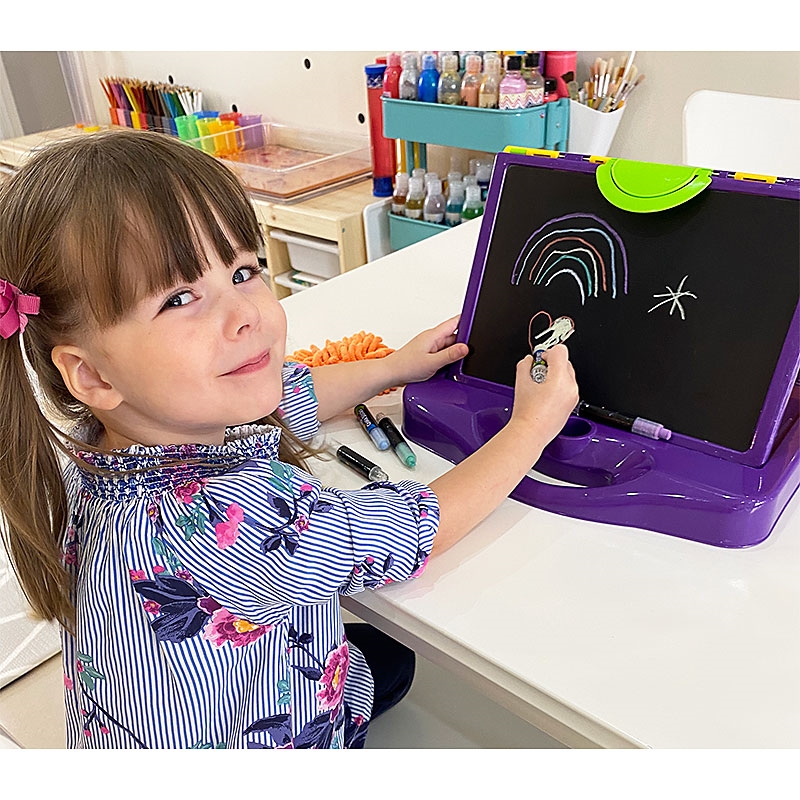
x=332, y=93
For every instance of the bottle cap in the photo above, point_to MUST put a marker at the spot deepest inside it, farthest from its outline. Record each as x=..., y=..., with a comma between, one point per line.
x=415, y=184
x=382, y=187
x=473, y=192
x=453, y=176
x=393, y=59
x=409, y=60
x=456, y=188
x=401, y=179
x=513, y=62
x=431, y=176
x=550, y=84
x=434, y=186
x=450, y=63
x=484, y=172
x=429, y=61
x=531, y=59
x=473, y=63
x=418, y=172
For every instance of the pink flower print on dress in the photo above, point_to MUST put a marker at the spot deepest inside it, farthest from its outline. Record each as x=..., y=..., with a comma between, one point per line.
x=187, y=491
x=333, y=678
x=137, y=574
x=228, y=532
x=224, y=627
x=68, y=684
x=151, y=607
x=420, y=569
x=301, y=523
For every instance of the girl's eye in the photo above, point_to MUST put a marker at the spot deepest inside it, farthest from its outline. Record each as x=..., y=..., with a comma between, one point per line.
x=246, y=273
x=179, y=299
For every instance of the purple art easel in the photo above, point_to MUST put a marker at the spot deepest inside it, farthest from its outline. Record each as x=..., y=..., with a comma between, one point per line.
x=686, y=486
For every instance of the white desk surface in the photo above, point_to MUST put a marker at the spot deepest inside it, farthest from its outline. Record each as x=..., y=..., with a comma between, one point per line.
x=599, y=635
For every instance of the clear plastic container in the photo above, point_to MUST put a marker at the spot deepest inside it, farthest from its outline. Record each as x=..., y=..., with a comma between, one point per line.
x=284, y=163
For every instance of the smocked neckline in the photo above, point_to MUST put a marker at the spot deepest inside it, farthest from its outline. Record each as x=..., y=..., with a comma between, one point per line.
x=146, y=470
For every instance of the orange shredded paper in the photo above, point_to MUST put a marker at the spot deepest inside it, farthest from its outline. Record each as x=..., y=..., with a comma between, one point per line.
x=358, y=347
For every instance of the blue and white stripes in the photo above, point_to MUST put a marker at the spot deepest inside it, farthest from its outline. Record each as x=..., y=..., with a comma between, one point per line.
x=207, y=594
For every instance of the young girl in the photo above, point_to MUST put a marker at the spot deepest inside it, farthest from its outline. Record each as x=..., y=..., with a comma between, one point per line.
x=167, y=521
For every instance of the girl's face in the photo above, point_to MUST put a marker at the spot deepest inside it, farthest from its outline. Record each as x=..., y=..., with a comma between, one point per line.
x=194, y=359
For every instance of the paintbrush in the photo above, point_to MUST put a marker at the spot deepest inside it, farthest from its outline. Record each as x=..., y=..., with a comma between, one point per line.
x=571, y=83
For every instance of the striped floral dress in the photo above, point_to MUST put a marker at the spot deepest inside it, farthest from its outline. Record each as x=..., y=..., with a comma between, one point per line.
x=207, y=593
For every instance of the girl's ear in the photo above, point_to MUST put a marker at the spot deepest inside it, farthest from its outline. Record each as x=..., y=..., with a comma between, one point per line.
x=83, y=380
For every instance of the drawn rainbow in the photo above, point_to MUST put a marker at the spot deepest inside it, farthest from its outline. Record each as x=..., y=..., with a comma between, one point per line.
x=593, y=248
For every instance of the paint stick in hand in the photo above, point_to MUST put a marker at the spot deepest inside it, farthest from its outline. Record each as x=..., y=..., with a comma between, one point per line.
x=539, y=368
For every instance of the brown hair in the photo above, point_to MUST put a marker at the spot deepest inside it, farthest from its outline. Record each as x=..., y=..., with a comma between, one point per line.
x=92, y=225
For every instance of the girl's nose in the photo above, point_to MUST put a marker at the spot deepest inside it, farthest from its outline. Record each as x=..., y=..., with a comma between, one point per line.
x=242, y=313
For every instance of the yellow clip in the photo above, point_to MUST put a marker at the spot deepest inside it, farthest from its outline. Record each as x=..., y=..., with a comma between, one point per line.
x=598, y=159
x=749, y=176
x=531, y=151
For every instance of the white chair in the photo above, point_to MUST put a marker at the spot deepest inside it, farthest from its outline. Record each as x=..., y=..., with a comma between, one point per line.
x=742, y=133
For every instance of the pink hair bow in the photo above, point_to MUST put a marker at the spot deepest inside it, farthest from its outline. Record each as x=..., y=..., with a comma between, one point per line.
x=14, y=308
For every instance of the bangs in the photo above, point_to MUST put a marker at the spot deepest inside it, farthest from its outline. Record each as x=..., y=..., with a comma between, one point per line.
x=154, y=206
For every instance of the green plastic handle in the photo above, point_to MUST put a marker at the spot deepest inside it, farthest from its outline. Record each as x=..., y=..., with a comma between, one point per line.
x=644, y=187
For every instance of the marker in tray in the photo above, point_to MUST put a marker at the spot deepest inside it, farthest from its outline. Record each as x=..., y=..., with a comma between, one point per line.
x=644, y=427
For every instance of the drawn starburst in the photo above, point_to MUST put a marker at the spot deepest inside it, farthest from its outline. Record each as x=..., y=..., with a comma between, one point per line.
x=674, y=297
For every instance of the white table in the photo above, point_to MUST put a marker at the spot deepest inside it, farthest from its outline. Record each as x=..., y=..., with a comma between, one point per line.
x=599, y=635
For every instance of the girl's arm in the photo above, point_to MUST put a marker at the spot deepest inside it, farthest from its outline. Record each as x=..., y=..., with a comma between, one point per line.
x=339, y=387
x=472, y=489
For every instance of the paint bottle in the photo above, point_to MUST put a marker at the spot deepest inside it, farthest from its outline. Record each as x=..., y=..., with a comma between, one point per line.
x=471, y=82
x=409, y=76
x=473, y=206
x=455, y=203
x=484, y=175
x=391, y=78
x=384, y=156
x=415, y=199
x=488, y=94
x=400, y=193
x=534, y=95
x=434, y=207
x=449, y=88
x=558, y=62
x=513, y=87
x=428, y=81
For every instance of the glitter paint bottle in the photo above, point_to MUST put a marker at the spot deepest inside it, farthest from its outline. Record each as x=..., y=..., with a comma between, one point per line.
x=409, y=77
x=471, y=82
x=449, y=88
x=513, y=87
x=488, y=94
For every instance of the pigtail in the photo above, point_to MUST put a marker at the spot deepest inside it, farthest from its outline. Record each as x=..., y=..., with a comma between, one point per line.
x=32, y=497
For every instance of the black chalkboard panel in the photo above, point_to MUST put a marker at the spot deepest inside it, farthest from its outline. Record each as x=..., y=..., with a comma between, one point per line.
x=680, y=315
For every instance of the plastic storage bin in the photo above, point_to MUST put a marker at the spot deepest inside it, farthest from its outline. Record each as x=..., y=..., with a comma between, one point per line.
x=283, y=163
x=309, y=254
x=404, y=231
x=488, y=129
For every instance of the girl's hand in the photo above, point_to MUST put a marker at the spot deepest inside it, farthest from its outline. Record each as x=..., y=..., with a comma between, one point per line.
x=545, y=407
x=427, y=353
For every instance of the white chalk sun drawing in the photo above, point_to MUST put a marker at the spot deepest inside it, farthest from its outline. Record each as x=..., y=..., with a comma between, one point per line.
x=674, y=298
